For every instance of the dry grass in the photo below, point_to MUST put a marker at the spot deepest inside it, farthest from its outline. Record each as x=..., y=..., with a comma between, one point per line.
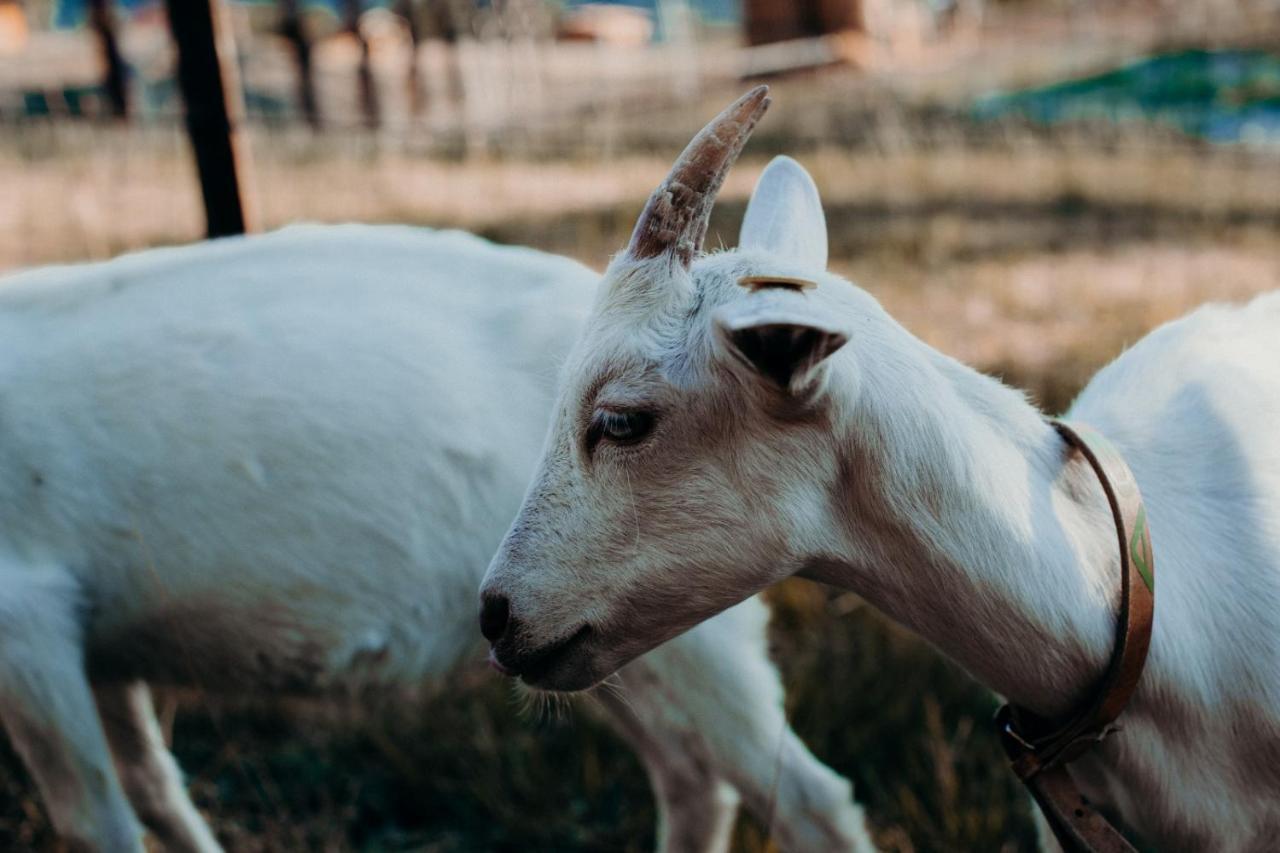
x=77, y=192
x=1033, y=258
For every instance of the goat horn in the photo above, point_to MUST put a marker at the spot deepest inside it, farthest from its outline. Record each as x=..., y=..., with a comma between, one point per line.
x=675, y=219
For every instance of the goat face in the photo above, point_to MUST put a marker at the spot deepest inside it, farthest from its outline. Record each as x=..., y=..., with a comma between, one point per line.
x=690, y=459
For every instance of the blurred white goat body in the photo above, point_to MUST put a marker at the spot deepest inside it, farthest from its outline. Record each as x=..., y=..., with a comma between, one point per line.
x=281, y=464
x=713, y=438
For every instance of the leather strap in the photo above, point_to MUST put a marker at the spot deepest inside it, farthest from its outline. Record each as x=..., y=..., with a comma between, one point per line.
x=1039, y=749
x=1076, y=824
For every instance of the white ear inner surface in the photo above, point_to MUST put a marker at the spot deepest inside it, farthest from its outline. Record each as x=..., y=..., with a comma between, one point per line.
x=785, y=218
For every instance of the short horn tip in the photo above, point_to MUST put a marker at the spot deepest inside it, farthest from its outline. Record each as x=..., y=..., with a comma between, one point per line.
x=675, y=219
x=740, y=117
x=751, y=106
x=757, y=97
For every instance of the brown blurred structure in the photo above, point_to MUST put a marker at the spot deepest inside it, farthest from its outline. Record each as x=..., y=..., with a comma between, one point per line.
x=768, y=21
x=13, y=27
x=624, y=26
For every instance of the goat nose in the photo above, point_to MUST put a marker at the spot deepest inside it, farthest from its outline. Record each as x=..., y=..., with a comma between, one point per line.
x=495, y=613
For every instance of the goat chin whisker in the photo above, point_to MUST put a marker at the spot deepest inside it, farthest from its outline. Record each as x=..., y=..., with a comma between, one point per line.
x=612, y=688
x=540, y=706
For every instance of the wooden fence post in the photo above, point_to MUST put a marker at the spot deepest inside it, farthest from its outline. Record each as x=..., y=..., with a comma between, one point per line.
x=417, y=95
x=368, y=88
x=113, y=76
x=210, y=83
x=293, y=28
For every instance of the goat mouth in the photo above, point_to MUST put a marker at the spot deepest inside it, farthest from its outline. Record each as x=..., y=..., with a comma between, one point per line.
x=539, y=665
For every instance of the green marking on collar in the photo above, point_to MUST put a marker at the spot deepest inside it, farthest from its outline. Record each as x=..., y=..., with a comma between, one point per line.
x=1140, y=549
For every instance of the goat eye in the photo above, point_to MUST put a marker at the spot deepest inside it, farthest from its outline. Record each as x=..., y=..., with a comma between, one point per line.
x=622, y=428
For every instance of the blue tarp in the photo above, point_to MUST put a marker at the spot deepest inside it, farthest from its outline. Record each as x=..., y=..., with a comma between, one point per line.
x=1221, y=96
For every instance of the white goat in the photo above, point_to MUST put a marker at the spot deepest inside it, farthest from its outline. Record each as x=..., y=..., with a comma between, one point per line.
x=282, y=463
x=711, y=439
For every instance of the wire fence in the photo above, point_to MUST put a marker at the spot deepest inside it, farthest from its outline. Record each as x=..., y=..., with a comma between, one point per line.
x=508, y=125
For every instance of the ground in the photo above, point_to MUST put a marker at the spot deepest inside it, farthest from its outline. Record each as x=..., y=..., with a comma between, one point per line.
x=1034, y=255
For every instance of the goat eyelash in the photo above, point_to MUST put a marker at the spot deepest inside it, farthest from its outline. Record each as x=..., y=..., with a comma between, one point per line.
x=606, y=421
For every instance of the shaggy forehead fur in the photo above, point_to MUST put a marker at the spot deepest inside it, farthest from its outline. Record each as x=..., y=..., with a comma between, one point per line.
x=654, y=313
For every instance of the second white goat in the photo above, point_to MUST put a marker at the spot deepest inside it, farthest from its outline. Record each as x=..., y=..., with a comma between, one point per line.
x=282, y=464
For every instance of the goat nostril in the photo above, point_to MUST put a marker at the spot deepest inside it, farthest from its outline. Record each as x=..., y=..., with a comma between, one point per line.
x=495, y=612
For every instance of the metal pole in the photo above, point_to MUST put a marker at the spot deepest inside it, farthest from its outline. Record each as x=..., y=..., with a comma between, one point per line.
x=210, y=84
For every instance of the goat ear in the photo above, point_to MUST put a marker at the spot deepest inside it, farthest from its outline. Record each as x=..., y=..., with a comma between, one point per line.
x=785, y=216
x=785, y=344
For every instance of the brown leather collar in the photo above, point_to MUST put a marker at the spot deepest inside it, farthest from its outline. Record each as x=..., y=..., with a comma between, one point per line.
x=1039, y=749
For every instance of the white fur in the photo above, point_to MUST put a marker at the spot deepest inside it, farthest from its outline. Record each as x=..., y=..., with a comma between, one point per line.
x=282, y=463
x=785, y=217
x=809, y=433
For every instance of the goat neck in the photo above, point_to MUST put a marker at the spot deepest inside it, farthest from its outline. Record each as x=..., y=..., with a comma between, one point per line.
x=1002, y=549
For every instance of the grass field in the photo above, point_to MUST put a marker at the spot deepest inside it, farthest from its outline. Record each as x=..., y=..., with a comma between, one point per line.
x=1032, y=257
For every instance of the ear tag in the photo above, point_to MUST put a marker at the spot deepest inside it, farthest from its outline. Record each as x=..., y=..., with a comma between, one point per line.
x=783, y=282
